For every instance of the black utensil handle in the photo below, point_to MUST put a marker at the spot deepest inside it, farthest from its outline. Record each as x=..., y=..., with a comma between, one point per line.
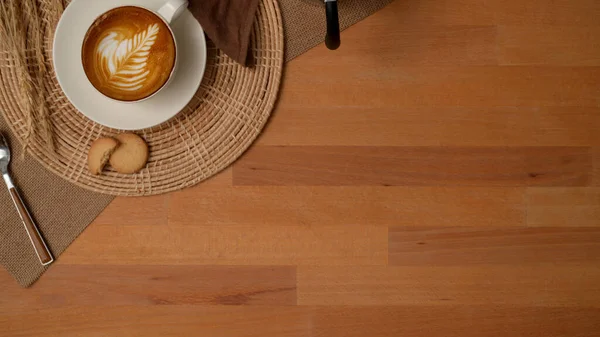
x=332, y=40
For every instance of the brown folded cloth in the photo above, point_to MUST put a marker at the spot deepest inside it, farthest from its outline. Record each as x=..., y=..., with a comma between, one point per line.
x=227, y=23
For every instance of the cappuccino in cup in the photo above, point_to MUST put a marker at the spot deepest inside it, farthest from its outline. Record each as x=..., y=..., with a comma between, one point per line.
x=129, y=53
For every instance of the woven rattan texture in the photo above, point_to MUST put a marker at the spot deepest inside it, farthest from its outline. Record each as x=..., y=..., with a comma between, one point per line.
x=225, y=116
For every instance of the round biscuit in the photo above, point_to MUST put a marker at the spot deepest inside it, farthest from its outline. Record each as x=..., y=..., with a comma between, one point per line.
x=99, y=154
x=132, y=154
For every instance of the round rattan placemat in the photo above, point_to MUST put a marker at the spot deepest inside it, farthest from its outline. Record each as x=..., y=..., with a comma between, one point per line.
x=225, y=116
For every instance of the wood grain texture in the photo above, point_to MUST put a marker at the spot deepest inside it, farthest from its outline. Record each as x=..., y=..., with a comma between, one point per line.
x=389, y=166
x=434, y=126
x=549, y=45
x=148, y=285
x=162, y=320
x=596, y=160
x=455, y=246
x=231, y=245
x=438, y=175
x=432, y=86
x=539, y=285
x=542, y=12
x=319, y=206
x=574, y=207
x=455, y=321
x=256, y=321
x=421, y=45
x=450, y=13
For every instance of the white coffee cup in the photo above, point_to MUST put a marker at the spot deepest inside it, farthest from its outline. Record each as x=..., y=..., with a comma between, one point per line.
x=168, y=13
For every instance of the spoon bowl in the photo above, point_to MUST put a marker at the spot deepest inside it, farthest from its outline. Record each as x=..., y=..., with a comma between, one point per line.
x=4, y=155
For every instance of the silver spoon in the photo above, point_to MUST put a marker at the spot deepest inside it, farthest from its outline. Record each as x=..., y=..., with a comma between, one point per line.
x=34, y=234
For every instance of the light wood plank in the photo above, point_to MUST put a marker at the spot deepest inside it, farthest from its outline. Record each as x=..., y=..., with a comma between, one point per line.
x=230, y=245
x=555, y=285
x=163, y=320
x=388, y=166
x=549, y=45
x=405, y=14
x=596, y=174
x=326, y=206
x=571, y=207
x=556, y=12
x=154, y=285
x=434, y=86
x=346, y=321
x=423, y=44
x=456, y=321
x=434, y=126
x=450, y=246
x=135, y=211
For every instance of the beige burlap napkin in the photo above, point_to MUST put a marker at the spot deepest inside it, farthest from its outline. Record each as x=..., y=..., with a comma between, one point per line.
x=63, y=211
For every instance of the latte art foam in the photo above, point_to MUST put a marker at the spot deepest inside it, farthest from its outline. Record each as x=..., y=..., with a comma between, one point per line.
x=124, y=63
x=128, y=53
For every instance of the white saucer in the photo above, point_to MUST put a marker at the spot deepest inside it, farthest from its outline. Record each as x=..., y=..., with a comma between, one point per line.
x=191, y=49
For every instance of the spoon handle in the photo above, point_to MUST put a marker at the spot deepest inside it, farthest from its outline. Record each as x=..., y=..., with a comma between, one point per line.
x=39, y=245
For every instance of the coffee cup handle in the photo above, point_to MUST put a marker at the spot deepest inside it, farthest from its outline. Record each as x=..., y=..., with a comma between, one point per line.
x=172, y=9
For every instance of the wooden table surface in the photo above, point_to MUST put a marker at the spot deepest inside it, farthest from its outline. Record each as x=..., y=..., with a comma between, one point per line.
x=439, y=175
